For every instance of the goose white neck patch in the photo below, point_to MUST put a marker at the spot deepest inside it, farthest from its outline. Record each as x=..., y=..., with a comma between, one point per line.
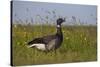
x=58, y=25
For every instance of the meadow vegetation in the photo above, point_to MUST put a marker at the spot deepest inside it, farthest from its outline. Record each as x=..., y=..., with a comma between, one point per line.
x=79, y=44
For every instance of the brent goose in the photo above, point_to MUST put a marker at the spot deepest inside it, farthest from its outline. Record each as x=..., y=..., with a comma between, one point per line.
x=50, y=42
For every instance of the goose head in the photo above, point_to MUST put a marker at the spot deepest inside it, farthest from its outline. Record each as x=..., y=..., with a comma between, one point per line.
x=60, y=21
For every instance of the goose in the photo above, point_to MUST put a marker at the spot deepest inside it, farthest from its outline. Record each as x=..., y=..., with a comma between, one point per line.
x=50, y=42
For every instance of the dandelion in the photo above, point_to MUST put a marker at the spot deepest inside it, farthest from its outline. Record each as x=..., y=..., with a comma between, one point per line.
x=67, y=38
x=63, y=31
x=18, y=43
x=85, y=38
x=81, y=35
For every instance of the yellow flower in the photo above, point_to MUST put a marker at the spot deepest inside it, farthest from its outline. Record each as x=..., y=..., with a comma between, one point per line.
x=18, y=43
x=67, y=38
x=63, y=31
x=81, y=35
x=85, y=38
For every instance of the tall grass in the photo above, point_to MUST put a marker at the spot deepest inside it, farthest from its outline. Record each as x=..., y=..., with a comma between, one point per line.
x=79, y=44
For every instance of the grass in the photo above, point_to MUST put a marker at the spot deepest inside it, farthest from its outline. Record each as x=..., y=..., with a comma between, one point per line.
x=79, y=45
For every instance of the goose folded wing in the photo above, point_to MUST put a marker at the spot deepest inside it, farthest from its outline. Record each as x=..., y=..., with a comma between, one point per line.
x=47, y=39
x=43, y=40
x=36, y=40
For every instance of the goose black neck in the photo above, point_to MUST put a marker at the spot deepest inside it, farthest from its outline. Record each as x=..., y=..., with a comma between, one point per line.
x=59, y=30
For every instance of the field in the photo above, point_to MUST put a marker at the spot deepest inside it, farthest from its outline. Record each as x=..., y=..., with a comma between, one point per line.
x=79, y=45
